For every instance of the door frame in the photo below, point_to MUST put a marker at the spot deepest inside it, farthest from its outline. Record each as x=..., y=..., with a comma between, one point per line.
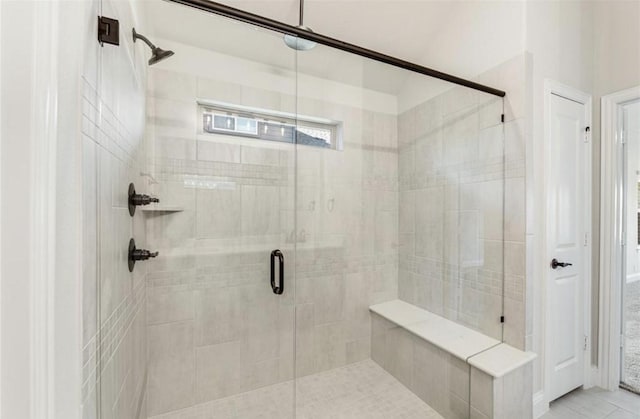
x=552, y=87
x=611, y=249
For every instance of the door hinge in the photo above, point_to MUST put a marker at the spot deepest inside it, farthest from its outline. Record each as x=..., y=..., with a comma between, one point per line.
x=622, y=342
x=623, y=239
x=108, y=31
x=502, y=118
x=623, y=137
x=586, y=342
x=501, y=319
x=586, y=239
x=587, y=132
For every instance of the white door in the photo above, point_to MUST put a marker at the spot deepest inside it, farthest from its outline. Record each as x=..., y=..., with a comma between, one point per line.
x=568, y=170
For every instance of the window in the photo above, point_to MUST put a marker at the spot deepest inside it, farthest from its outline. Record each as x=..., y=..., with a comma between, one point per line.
x=269, y=126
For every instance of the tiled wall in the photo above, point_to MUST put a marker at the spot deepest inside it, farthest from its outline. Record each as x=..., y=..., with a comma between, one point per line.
x=509, y=396
x=113, y=154
x=347, y=205
x=440, y=379
x=215, y=327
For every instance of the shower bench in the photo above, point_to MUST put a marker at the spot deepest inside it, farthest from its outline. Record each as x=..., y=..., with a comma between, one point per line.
x=459, y=372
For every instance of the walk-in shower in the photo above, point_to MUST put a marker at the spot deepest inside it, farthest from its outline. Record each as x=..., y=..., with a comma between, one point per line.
x=333, y=227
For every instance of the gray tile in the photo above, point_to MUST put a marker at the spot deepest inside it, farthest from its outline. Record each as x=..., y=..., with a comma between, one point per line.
x=595, y=403
x=360, y=390
x=482, y=392
x=217, y=151
x=586, y=405
x=623, y=414
x=171, y=367
x=220, y=371
x=260, y=213
x=218, y=212
x=169, y=304
x=220, y=315
x=561, y=412
x=621, y=398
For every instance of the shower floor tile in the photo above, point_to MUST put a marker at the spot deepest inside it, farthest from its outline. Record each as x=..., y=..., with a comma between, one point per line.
x=357, y=391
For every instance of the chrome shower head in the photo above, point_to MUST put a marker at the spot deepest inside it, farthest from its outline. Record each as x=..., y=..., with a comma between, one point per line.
x=157, y=54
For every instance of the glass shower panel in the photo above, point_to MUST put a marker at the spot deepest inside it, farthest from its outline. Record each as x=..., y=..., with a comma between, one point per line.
x=473, y=182
x=451, y=167
x=407, y=205
x=221, y=118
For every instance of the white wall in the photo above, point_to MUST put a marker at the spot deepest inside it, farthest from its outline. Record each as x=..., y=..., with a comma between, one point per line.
x=617, y=46
x=40, y=281
x=17, y=66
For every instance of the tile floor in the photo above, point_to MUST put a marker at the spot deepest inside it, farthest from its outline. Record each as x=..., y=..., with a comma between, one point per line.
x=595, y=403
x=365, y=391
x=357, y=391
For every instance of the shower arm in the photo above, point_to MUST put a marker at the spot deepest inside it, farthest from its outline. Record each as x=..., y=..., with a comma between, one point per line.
x=143, y=38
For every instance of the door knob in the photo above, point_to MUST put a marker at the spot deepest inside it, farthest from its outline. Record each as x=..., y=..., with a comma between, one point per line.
x=555, y=264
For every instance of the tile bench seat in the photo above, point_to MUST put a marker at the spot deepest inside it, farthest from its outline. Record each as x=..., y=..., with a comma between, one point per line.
x=459, y=372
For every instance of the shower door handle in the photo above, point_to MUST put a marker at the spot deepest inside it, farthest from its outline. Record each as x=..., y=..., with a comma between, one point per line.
x=280, y=288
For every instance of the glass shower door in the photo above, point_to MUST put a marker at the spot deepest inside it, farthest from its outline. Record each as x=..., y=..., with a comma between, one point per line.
x=220, y=139
x=347, y=223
